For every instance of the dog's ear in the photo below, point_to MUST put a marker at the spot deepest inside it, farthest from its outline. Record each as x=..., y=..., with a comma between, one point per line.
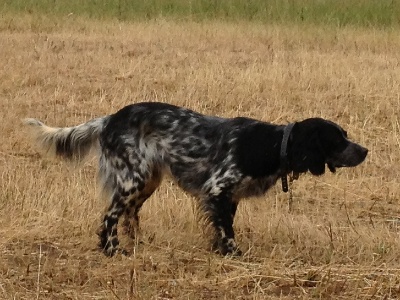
x=307, y=153
x=315, y=157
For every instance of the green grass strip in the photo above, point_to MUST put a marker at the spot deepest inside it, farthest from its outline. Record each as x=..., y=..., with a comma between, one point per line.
x=371, y=13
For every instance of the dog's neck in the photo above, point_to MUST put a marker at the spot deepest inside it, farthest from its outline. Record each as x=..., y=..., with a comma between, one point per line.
x=284, y=162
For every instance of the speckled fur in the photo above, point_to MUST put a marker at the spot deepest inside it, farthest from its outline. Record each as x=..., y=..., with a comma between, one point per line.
x=217, y=160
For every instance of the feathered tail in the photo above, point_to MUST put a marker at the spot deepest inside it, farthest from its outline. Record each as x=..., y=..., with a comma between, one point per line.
x=71, y=143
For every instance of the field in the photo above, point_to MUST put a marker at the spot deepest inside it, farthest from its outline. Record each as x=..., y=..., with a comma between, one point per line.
x=340, y=240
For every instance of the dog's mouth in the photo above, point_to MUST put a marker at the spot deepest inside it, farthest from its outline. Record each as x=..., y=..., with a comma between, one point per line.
x=333, y=166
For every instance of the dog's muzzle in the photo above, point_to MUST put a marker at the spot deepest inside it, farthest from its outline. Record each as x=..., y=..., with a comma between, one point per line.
x=353, y=155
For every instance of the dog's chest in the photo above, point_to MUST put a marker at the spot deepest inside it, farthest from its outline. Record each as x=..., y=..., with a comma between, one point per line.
x=253, y=187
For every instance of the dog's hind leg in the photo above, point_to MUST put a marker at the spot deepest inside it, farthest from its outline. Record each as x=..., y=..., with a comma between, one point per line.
x=108, y=231
x=131, y=221
x=127, y=186
x=131, y=190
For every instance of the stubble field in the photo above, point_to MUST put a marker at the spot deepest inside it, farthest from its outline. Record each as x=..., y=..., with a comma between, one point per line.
x=339, y=241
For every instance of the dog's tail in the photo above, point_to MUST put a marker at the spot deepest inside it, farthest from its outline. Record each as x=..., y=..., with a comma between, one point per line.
x=71, y=143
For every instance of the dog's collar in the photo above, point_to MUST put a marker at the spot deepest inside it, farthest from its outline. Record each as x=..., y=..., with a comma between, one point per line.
x=283, y=157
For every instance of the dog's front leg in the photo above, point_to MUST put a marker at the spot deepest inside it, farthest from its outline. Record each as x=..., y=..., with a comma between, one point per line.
x=220, y=210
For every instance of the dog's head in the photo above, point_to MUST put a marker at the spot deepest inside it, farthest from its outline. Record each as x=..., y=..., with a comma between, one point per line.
x=316, y=142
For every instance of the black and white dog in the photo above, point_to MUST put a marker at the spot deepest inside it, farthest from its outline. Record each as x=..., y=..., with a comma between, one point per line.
x=217, y=160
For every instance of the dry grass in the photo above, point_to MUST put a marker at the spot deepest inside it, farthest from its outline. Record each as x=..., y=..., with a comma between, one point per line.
x=341, y=241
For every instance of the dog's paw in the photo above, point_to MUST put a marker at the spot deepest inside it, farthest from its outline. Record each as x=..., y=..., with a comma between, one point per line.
x=234, y=252
x=227, y=248
x=110, y=252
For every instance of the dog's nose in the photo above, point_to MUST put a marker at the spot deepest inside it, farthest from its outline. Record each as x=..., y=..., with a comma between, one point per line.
x=364, y=152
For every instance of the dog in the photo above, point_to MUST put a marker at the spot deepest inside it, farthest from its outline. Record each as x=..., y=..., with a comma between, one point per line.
x=217, y=160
